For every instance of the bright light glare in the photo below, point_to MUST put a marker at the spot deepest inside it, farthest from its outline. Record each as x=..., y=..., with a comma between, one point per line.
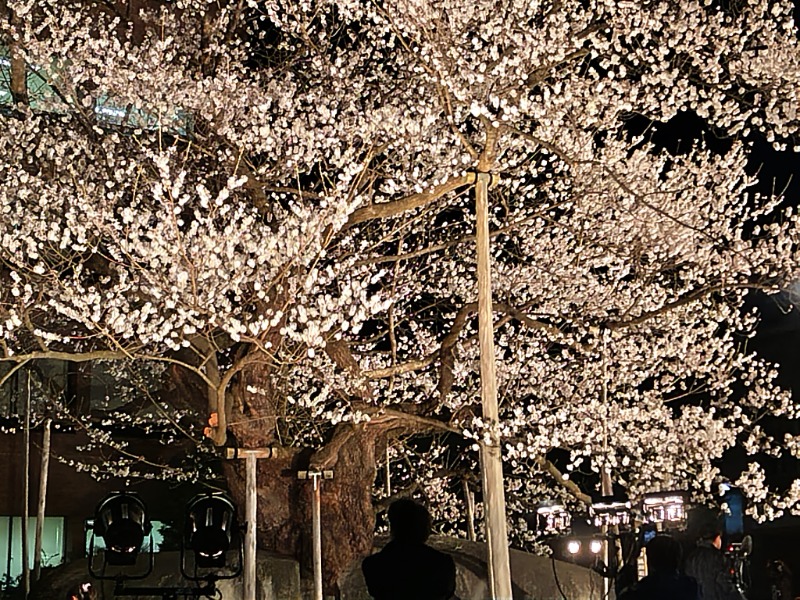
x=573, y=546
x=596, y=546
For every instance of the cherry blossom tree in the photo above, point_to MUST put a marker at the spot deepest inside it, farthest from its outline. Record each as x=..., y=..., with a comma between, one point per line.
x=272, y=202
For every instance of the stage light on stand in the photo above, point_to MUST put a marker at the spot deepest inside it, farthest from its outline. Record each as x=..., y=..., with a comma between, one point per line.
x=211, y=534
x=610, y=512
x=121, y=521
x=666, y=510
x=209, y=527
x=552, y=519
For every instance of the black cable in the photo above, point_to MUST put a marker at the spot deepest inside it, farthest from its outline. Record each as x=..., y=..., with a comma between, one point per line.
x=102, y=581
x=555, y=576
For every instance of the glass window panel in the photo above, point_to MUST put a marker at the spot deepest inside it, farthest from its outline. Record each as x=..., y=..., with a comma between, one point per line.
x=109, y=387
x=52, y=546
x=5, y=78
x=47, y=382
x=7, y=400
x=158, y=539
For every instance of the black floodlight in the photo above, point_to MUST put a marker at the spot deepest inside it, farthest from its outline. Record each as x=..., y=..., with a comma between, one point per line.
x=209, y=528
x=552, y=519
x=666, y=510
x=121, y=520
x=611, y=512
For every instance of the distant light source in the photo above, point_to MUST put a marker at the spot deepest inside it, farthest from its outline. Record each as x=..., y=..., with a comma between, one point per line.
x=573, y=547
x=596, y=546
x=667, y=510
x=610, y=512
x=209, y=528
x=121, y=520
x=553, y=519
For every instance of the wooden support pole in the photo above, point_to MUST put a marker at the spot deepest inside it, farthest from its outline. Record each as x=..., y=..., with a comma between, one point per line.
x=316, y=478
x=251, y=457
x=469, y=501
x=388, y=473
x=26, y=566
x=491, y=460
x=44, y=471
x=250, y=542
x=316, y=526
x=10, y=544
x=606, y=490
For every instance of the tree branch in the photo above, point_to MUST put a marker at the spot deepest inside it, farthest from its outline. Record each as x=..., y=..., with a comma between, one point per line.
x=396, y=207
x=573, y=488
x=80, y=357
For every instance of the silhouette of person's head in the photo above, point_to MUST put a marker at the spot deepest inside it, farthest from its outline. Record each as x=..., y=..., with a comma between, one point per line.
x=409, y=521
x=704, y=525
x=663, y=554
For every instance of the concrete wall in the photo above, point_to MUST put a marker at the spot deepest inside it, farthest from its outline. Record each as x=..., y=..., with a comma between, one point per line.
x=279, y=578
x=533, y=576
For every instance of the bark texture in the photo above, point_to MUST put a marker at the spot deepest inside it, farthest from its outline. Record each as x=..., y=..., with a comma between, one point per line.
x=284, y=502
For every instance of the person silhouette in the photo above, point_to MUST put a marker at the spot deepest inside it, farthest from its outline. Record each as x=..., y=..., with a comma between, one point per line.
x=709, y=566
x=664, y=581
x=780, y=579
x=407, y=568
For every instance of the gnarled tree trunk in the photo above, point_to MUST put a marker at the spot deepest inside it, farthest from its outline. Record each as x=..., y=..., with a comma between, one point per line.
x=284, y=502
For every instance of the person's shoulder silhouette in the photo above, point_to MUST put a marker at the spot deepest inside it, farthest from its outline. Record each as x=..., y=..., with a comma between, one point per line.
x=664, y=581
x=407, y=567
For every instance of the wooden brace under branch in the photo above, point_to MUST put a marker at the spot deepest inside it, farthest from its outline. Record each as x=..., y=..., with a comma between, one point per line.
x=234, y=453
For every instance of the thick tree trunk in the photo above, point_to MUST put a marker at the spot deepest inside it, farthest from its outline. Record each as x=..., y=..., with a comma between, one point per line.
x=348, y=518
x=284, y=506
x=284, y=502
x=256, y=412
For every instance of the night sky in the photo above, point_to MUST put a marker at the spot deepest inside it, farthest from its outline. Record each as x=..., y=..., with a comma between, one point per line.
x=777, y=338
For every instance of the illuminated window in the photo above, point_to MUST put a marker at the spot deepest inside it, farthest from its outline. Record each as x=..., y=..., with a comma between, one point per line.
x=42, y=380
x=11, y=538
x=44, y=97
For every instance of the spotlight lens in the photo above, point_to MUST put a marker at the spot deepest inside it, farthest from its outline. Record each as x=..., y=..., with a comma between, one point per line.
x=573, y=546
x=596, y=546
x=210, y=521
x=121, y=521
x=210, y=542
